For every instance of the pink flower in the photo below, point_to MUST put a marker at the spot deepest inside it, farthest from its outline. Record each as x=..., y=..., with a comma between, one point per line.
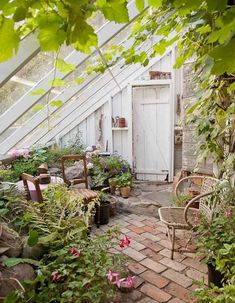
x=74, y=251
x=228, y=213
x=129, y=282
x=110, y=275
x=55, y=277
x=119, y=282
x=125, y=242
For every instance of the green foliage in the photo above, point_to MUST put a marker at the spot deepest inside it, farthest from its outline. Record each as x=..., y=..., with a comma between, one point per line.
x=63, y=66
x=61, y=218
x=215, y=234
x=105, y=168
x=225, y=263
x=9, y=37
x=57, y=22
x=74, y=273
x=124, y=180
x=11, y=205
x=10, y=262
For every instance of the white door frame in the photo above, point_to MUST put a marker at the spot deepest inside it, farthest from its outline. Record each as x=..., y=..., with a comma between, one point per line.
x=130, y=118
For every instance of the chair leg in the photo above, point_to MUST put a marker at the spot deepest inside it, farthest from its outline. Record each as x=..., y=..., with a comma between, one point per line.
x=173, y=243
x=171, y=236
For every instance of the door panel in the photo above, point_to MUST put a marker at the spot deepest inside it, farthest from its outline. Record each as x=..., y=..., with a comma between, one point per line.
x=151, y=132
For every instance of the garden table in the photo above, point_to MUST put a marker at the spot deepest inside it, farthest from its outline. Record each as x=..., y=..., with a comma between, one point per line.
x=32, y=188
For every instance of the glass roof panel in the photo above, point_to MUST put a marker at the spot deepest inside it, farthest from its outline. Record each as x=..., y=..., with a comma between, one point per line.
x=31, y=73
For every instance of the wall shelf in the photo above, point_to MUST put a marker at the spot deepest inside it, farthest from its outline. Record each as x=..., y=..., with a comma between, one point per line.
x=120, y=128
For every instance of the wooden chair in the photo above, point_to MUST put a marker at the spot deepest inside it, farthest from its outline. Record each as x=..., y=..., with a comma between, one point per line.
x=85, y=193
x=35, y=181
x=185, y=218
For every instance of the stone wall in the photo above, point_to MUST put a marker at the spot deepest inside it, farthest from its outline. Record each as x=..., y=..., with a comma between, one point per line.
x=189, y=158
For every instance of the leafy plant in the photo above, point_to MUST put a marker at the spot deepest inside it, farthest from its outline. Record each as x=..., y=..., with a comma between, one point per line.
x=124, y=180
x=214, y=234
x=61, y=218
x=225, y=263
x=74, y=273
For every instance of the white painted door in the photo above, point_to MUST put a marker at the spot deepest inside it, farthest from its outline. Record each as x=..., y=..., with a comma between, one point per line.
x=152, y=132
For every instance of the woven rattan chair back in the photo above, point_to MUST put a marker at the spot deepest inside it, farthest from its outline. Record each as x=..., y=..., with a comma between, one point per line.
x=208, y=205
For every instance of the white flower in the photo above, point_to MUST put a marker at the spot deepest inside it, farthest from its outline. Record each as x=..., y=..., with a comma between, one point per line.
x=90, y=165
x=98, y=146
x=89, y=149
x=96, y=152
x=88, y=155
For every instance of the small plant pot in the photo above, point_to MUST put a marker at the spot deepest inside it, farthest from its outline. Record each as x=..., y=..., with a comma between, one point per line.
x=102, y=213
x=125, y=191
x=214, y=276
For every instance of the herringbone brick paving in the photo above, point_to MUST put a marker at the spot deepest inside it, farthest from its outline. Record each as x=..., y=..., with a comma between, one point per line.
x=158, y=278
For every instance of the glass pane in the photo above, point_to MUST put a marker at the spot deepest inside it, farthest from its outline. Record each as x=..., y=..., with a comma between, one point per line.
x=9, y=93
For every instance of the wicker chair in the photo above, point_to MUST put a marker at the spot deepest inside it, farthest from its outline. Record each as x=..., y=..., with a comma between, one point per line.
x=185, y=218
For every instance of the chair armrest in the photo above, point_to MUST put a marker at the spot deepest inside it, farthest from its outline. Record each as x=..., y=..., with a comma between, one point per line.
x=184, y=179
x=197, y=200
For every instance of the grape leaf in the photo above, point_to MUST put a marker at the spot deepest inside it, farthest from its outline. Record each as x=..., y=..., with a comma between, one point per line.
x=57, y=103
x=139, y=4
x=64, y=67
x=9, y=39
x=38, y=92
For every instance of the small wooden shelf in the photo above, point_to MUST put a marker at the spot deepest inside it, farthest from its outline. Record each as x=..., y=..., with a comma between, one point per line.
x=120, y=128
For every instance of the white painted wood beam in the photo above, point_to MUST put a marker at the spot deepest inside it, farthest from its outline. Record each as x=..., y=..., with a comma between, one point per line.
x=68, y=107
x=105, y=33
x=87, y=108
x=88, y=92
x=28, y=48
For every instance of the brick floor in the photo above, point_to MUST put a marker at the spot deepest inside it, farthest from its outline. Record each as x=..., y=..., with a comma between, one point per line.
x=158, y=278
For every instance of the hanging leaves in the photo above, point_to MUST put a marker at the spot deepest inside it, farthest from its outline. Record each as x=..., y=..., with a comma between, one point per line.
x=64, y=67
x=57, y=82
x=38, y=92
x=56, y=103
x=9, y=39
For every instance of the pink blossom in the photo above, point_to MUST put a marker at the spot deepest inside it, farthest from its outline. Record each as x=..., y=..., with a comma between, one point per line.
x=129, y=282
x=74, y=251
x=110, y=275
x=55, y=277
x=125, y=242
x=119, y=282
x=228, y=213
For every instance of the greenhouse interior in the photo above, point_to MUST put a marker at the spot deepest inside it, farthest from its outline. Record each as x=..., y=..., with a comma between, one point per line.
x=117, y=151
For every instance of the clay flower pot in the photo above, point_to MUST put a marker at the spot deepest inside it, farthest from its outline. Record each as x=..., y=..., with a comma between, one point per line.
x=125, y=191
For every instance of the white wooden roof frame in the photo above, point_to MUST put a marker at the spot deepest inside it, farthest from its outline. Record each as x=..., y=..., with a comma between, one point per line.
x=28, y=48
x=94, y=102
x=42, y=115
x=87, y=92
x=105, y=33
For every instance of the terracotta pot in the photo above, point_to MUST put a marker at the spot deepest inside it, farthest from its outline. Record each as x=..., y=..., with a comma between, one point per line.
x=125, y=191
x=122, y=122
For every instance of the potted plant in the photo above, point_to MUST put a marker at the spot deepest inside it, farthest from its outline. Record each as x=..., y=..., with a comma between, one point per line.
x=103, y=210
x=212, y=236
x=124, y=182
